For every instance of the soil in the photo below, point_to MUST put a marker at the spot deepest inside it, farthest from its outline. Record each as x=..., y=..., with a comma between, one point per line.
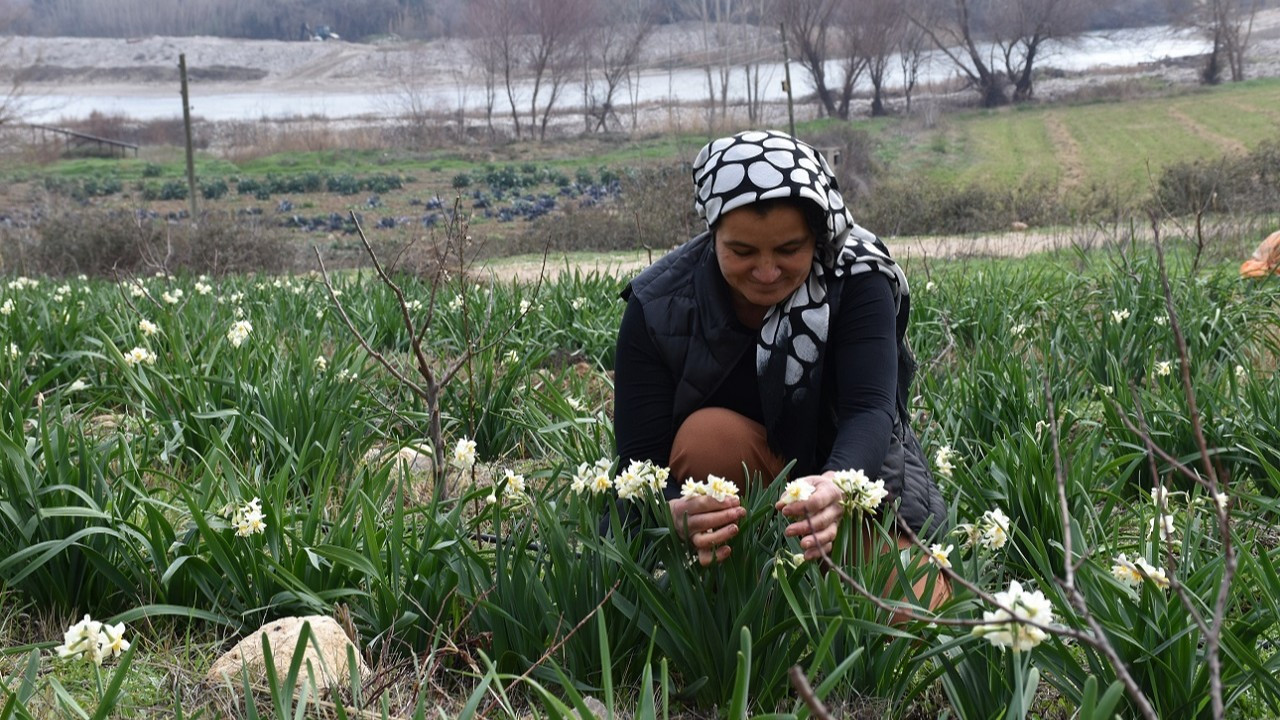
x=924, y=248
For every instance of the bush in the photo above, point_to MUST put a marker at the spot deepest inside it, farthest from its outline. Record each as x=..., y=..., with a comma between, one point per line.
x=343, y=184
x=461, y=180
x=214, y=190
x=173, y=190
x=151, y=170
x=110, y=243
x=1249, y=184
x=653, y=210
x=248, y=186
x=916, y=206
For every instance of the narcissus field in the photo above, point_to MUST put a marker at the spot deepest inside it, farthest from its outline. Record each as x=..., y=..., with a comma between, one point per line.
x=183, y=459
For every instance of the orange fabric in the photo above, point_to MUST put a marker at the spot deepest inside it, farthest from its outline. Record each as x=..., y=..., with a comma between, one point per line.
x=1265, y=260
x=716, y=441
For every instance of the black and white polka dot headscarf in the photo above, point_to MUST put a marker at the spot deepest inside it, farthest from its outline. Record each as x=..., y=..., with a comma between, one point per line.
x=756, y=165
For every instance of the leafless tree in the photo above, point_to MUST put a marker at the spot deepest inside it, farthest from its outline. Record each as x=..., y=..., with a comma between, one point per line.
x=498, y=45
x=614, y=51
x=759, y=50
x=715, y=18
x=911, y=48
x=1229, y=26
x=485, y=49
x=555, y=46
x=877, y=27
x=12, y=99
x=979, y=36
x=820, y=31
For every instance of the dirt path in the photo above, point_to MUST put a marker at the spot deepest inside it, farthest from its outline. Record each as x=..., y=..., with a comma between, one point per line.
x=1010, y=244
x=1230, y=145
x=1067, y=150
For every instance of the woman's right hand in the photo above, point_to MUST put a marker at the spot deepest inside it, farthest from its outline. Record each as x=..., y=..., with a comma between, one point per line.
x=708, y=524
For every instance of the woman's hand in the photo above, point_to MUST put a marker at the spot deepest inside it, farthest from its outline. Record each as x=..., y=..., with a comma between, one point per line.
x=823, y=509
x=708, y=524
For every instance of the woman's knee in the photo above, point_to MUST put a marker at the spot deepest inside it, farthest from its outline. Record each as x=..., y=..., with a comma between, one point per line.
x=718, y=441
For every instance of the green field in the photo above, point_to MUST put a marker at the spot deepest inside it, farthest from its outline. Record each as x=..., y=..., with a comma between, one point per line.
x=1115, y=145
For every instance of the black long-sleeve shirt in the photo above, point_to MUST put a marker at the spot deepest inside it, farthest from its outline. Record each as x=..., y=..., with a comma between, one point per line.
x=860, y=368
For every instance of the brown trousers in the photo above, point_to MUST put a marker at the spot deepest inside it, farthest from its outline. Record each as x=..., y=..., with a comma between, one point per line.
x=717, y=441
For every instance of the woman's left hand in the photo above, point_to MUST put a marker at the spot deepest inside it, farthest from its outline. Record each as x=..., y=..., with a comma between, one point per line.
x=816, y=520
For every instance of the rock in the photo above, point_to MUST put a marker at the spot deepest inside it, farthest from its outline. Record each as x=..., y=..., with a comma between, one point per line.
x=330, y=664
x=1018, y=225
x=413, y=461
x=597, y=708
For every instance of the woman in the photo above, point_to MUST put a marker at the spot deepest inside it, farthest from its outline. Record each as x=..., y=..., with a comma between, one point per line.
x=777, y=335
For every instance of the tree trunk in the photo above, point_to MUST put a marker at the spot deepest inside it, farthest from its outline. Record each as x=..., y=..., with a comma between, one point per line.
x=1023, y=88
x=1212, y=73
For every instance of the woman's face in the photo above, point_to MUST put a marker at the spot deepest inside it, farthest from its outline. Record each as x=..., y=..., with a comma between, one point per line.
x=764, y=258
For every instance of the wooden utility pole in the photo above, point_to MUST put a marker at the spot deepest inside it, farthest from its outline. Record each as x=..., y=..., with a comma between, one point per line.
x=786, y=84
x=186, y=126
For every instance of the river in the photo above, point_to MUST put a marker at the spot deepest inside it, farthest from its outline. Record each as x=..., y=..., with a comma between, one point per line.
x=679, y=85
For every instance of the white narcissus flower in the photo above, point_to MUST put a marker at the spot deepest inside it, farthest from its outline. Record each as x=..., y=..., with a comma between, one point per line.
x=930, y=286
x=939, y=555
x=1241, y=373
x=693, y=488
x=172, y=297
x=639, y=476
x=83, y=640
x=574, y=403
x=511, y=357
x=239, y=332
x=1164, y=368
x=456, y=303
x=77, y=385
x=524, y=306
x=203, y=288
x=14, y=352
x=860, y=492
x=720, y=489
x=578, y=303
x=114, y=644
x=1221, y=499
x=1003, y=628
x=994, y=528
x=321, y=363
x=249, y=519
x=413, y=305
x=1162, y=320
x=1160, y=496
x=1119, y=316
x=970, y=532
x=796, y=491
x=593, y=478
x=1156, y=575
x=139, y=356
x=1164, y=524
x=148, y=328
x=1019, y=329
x=464, y=453
x=1125, y=571
x=942, y=461
x=7, y=307
x=515, y=485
